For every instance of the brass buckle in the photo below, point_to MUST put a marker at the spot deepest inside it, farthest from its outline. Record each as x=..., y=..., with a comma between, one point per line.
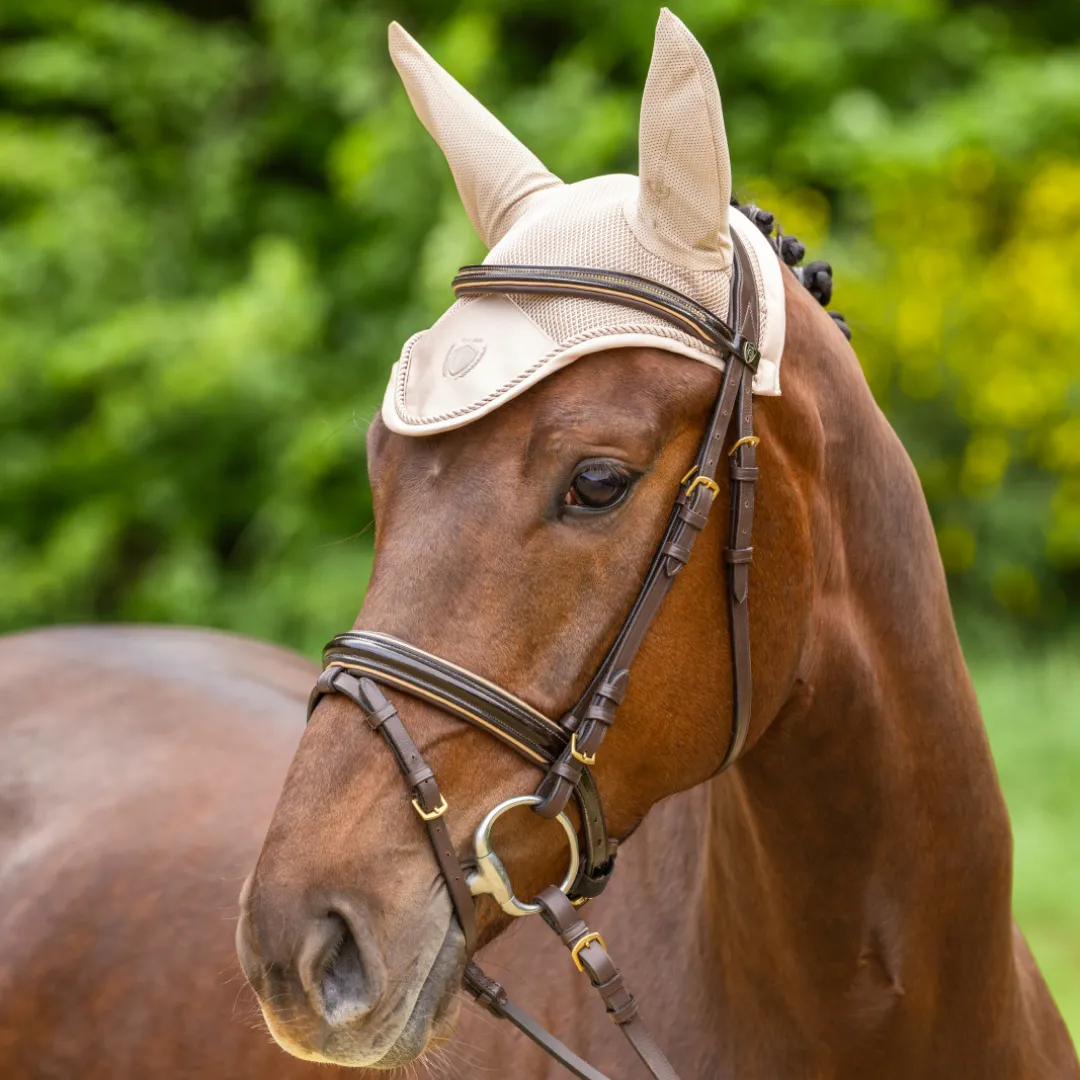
x=430, y=815
x=698, y=481
x=703, y=481
x=586, y=940
x=578, y=755
x=746, y=440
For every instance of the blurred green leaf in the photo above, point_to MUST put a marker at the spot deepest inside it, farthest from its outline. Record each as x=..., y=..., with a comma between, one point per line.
x=218, y=223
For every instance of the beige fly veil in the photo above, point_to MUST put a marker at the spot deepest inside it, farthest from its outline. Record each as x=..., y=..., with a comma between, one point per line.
x=671, y=225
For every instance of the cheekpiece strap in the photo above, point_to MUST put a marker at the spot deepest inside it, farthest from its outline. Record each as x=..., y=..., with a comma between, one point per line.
x=594, y=713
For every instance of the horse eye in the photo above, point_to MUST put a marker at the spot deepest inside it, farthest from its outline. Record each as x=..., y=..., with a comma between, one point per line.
x=597, y=485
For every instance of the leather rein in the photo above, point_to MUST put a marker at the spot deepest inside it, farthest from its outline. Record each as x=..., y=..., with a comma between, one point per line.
x=358, y=663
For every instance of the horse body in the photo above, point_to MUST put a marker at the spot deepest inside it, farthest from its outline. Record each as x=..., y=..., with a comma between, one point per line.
x=835, y=905
x=136, y=795
x=138, y=769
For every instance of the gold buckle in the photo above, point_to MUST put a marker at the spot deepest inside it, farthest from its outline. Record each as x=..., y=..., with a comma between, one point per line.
x=430, y=815
x=586, y=940
x=699, y=481
x=578, y=755
x=746, y=440
x=703, y=481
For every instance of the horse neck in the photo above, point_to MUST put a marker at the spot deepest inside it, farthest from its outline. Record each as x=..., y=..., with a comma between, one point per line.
x=861, y=847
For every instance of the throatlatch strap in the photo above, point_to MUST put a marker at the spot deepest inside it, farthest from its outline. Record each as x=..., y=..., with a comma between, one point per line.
x=743, y=472
x=742, y=469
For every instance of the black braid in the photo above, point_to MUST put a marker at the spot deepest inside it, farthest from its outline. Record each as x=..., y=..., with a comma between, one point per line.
x=815, y=276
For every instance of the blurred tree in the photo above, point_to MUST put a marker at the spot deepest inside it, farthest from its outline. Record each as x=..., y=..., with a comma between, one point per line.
x=218, y=221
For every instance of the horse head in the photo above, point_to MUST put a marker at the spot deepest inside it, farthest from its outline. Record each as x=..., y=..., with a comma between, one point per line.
x=524, y=469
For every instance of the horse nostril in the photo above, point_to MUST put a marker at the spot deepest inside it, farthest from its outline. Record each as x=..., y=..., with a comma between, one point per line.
x=346, y=988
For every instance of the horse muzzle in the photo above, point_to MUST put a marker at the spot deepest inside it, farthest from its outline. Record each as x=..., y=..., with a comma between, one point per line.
x=322, y=980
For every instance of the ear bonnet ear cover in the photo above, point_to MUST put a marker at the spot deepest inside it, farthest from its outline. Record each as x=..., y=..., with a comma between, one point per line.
x=670, y=225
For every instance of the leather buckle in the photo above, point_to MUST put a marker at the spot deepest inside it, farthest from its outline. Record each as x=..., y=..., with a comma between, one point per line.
x=579, y=755
x=705, y=482
x=580, y=944
x=699, y=481
x=430, y=815
x=746, y=440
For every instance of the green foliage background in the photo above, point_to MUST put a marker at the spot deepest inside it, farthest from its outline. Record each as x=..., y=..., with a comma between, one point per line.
x=219, y=219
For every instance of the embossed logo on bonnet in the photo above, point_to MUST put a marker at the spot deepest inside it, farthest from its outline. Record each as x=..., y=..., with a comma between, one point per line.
x=463, y=356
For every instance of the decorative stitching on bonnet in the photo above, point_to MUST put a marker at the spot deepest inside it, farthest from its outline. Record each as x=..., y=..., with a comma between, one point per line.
x=759, y=289
x=606, y=331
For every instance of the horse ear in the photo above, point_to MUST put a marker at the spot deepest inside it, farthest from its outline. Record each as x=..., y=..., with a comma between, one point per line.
x=685, y=171
x=496, y=175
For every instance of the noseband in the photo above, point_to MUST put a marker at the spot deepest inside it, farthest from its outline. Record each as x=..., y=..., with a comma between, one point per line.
x=359, y=662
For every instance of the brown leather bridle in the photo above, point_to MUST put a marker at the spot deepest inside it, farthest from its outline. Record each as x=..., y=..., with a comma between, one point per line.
x=357, y=663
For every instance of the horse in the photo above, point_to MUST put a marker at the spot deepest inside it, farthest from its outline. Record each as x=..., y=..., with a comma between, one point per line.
x=834, y=903
x=820, y=887
x=138, y=769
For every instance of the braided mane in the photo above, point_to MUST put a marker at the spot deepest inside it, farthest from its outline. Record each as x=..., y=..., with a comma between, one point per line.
x=816, y=276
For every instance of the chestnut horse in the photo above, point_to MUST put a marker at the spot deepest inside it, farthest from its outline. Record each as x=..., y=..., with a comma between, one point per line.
x=138, y=769
x=835, y=905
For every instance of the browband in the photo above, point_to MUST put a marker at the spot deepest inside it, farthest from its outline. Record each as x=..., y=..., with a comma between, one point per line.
x=629, y=290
